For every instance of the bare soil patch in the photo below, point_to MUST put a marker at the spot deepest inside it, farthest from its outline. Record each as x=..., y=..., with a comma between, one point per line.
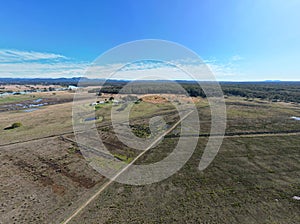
x=41, y=179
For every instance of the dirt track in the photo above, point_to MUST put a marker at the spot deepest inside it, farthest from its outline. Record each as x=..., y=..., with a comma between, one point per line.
x=227, y=135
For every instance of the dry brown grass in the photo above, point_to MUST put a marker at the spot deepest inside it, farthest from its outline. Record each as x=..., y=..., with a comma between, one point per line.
x=48, y=120
x=251, y=180
x=27, y=87
x=41, y=179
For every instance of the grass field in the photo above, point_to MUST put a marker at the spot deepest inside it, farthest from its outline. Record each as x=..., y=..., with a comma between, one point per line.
x=32, y=96
x=252, y=180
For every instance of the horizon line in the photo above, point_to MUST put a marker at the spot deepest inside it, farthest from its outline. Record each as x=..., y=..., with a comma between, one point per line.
x=127, y=80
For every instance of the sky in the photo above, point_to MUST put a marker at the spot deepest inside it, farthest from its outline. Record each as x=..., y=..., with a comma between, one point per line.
x=249, y=40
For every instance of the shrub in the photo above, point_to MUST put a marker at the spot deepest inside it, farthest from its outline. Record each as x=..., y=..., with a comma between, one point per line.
x=13, y=126
x=73, y=150
x=16, y=125
x=123, y=158
x=97, y=107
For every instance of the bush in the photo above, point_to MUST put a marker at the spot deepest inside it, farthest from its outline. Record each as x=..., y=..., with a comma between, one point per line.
x=98, y=107
x=16, y=125
x=13, y=126
x=73, y=150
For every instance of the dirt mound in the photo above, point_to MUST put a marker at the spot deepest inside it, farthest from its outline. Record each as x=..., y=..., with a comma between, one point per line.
x=154, y=99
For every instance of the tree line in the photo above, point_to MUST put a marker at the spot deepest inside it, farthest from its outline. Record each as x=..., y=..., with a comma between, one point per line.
x=279, y=91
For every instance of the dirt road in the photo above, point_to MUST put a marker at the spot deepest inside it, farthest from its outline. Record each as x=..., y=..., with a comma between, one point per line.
x=103, y=187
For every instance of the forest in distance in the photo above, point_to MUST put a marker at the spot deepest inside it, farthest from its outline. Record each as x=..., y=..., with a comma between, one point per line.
x=267, y=90
x=272, y=91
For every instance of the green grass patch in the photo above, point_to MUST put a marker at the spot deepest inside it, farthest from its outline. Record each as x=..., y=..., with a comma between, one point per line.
x=14, y=98
x=123, y=158
x=73, y=150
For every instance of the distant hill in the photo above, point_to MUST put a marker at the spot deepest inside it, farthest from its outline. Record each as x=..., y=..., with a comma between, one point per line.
x=273, y=81
x=43, y=81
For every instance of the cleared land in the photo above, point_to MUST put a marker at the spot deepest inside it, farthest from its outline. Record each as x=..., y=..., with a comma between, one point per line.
x=252, y=180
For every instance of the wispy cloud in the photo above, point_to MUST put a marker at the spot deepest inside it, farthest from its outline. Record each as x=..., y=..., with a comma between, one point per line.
x=15, y=63
x=237, y=58
x=151, y=69
x=224, y=70
x=12, y=56
x=40, y=70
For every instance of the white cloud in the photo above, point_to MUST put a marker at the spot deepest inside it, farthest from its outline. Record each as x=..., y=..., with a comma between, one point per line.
x=40, y=70
x=15, y=63
x=12, y=56
x=157, y=70
x=27, y=64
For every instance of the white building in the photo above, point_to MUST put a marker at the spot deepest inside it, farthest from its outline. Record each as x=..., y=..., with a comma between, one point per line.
x=72, y=87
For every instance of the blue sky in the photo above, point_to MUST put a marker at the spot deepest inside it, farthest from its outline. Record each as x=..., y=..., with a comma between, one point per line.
x=240, y=40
